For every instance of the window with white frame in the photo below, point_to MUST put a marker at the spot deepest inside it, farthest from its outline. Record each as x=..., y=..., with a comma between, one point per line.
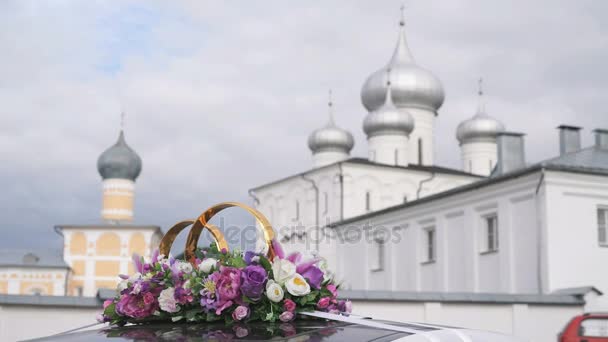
x=430, y=244
x=602, y=226
x=296, y=216
x=489, y=233
x=377, y=254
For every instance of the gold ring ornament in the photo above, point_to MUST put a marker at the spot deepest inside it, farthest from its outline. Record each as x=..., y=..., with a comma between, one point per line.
x=202, y=222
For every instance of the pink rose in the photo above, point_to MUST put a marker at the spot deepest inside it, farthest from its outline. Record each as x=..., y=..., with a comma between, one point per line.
x=323, y=303
x=107, y=303
x=240, y=313
x=137, y=306
x=289, y=305
x=229, y=283
x=286, y=316
x=149, y=298
x=332, y=288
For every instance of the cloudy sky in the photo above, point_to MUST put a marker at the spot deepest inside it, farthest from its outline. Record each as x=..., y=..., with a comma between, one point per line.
x=220, y=96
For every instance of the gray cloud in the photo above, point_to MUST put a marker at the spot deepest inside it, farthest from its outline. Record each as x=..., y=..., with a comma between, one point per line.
x=220, y=97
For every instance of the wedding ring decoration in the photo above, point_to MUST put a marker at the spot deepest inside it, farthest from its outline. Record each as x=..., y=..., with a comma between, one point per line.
x=202, y=222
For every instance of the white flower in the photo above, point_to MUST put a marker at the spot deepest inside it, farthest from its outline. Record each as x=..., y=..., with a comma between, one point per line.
x=274, y=291
x=184, y=266
x=123, y=285
x=167, y=301
x=283, y=269
x=187, y=284
x=297, y=285
x=207, y=264
x=135, y=277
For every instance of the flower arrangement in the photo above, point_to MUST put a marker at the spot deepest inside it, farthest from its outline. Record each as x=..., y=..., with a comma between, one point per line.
x=220, y=285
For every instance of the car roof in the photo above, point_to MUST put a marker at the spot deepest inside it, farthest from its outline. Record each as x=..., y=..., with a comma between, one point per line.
x=254, y=331
x=305, y=329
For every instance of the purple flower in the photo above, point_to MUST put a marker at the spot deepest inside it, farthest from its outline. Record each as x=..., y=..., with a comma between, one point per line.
x=137, y=306
x=314, y=276
x=253, y=280
x=183, y=296
x=229, y=284
x=240, y=313
x=139, y=267
x=208, y=293
x=249, y=255
x=286, y=316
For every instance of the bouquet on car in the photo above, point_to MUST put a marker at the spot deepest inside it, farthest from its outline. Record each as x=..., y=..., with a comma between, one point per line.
x=221, y=285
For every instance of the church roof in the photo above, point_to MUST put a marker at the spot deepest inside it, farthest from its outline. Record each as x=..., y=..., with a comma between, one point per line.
x=367, y=162
x=32, y=258
x=592, y=160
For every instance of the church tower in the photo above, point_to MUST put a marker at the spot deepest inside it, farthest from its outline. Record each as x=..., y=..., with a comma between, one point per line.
x=414, y=89
x=330, y=144
x=477, y=137
x=119, y=167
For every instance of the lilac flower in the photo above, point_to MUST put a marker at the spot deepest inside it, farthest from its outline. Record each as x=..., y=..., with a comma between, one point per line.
x=183, y=296
x=314, y=276
x=253, y=280
x=208, y=293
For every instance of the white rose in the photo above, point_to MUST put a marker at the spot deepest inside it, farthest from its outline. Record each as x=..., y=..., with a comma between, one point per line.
x=166, y=300
x=185, y=267
x=207, y=264
x=283, y=269
x=123, y=285
x=274, y=291
x=297, y=286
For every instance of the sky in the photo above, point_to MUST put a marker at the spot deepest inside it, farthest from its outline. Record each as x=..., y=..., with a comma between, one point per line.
x=220, y=96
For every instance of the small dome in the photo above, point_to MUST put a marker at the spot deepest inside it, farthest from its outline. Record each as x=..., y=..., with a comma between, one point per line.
x=119, y=161
x=413, y=86
x=331, y=137
x=388, y=119
x=481, y=127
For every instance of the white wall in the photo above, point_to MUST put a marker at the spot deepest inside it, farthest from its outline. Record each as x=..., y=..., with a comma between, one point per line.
x=27, y=322
x=538, y=323
x=574, y=256
x=461, y=264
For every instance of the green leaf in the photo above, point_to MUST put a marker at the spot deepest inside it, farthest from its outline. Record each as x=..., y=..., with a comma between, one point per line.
x=176, y=318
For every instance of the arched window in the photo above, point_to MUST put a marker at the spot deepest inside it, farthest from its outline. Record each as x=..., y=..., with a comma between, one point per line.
x=108, y=244
x=78, y=244
x=420, y=158
x=137, y=244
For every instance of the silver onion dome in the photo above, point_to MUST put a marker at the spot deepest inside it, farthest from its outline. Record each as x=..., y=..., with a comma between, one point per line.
x=119, y=161
x=481, y=127
x=413, y=86
x=331, y=137
x=388, y=119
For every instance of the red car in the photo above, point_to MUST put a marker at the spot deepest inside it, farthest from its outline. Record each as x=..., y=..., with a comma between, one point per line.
x=589, y=327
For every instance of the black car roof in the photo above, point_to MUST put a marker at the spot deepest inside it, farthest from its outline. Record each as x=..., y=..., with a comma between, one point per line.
x=255, y=331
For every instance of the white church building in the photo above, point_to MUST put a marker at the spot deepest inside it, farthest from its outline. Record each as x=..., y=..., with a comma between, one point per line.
x=396, y=227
